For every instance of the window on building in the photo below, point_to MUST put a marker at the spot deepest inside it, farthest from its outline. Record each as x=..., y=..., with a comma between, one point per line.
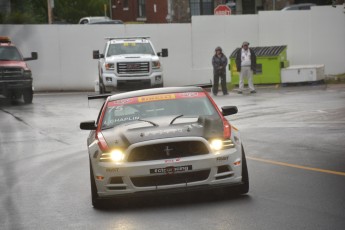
x=141, y=8
x=125, y=3
x=201, y=7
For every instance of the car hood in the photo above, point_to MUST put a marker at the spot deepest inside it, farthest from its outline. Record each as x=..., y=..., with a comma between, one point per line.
x=129, y=133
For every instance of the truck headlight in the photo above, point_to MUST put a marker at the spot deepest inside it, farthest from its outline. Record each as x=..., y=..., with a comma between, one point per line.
x=27, y=73
x=156, y=64
x=109, y=66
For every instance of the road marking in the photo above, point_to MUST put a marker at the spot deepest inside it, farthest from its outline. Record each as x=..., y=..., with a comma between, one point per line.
x=297, y=166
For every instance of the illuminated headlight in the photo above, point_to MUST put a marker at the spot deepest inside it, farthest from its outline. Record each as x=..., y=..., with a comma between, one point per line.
x=109, y=66
x=216, y=144
x=116, y=156
x=156, y=65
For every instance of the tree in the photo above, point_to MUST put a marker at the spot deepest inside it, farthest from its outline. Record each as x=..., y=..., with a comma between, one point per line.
x=72, y=11
x=35, y=11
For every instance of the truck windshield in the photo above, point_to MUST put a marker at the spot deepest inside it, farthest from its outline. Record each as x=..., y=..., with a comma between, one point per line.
x=130, y=48
x=9, y=53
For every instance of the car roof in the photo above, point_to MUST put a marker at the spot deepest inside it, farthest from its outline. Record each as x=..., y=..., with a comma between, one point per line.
x=146, y=92
x=93, y=19
x=300, y=6
x=107, y=22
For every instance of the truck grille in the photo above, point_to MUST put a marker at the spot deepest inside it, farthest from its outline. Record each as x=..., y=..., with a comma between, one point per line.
x=133, y=67
x=167, y=151
x=170, y=179
x=11, y=72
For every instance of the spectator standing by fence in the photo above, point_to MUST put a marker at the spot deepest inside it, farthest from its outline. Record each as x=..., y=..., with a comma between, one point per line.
x=246, y=66
x=219, y=63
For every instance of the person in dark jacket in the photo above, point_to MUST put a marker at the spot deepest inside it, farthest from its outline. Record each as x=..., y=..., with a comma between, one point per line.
x=246, y=66
x=219, y=63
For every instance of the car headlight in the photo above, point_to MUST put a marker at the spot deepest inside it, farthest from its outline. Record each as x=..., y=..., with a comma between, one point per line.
x=156, y=64
x=115, y=155
x=109, y=66
x=218, y=144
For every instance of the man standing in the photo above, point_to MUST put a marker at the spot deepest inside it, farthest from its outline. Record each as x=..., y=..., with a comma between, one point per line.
x=219, y=62
x=246, y=66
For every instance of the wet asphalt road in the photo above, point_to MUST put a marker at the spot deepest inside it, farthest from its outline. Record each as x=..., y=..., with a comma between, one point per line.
x=294, y=138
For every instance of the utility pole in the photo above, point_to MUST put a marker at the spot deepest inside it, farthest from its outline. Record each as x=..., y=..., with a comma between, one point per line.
x=50, y=4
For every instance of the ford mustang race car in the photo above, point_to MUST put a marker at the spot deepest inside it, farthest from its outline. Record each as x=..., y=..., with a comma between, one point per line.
x=163, y=140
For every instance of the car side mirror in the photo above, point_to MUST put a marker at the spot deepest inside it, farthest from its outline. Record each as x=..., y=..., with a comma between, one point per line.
x=229, y=110
x=164, y=53
x=88, y=125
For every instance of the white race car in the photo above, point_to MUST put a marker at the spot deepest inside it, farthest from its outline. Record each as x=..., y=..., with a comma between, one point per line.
x=163, y=140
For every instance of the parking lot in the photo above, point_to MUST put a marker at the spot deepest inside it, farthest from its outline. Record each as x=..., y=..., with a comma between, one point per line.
x=294, y=138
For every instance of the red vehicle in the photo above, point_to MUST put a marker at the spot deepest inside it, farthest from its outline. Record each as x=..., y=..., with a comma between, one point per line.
x=15, y=75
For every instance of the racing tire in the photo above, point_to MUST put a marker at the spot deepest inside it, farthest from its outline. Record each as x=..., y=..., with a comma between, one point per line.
x=96, y=201
x=28, y=96
x=244, y=187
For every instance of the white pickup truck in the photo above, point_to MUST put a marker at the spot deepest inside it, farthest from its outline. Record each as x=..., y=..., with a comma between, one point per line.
x=130, y=62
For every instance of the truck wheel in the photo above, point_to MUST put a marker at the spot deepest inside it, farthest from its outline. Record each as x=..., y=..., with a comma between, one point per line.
x=28, y=96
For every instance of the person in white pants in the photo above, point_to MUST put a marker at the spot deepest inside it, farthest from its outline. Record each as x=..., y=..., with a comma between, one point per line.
x=246, y=66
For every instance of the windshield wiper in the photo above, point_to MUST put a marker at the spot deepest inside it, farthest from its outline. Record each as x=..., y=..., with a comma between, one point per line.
x=127, y=123
x=173, y=120
x=151, y=122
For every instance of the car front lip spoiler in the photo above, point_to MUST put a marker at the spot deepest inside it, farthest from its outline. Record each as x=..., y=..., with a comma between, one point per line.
x=172, y=191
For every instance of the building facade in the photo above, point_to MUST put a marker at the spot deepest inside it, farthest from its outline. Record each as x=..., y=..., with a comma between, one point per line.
x=181, y=11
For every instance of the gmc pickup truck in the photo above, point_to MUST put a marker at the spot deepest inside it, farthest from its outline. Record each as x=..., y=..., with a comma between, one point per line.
x=130, y=62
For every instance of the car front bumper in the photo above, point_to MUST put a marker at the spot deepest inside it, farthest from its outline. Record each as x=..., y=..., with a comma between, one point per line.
x=170, y=175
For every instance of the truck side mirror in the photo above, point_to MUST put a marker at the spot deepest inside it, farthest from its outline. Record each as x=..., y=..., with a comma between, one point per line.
x=34, y=56
x=97, y=55
x=164, y=53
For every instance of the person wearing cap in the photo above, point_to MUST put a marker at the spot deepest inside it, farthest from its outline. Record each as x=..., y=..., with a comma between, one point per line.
x=246, y=66
x=219, y=63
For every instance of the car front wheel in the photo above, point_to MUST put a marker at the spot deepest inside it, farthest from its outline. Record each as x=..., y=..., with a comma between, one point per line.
x=96, y=201
x=244, y=187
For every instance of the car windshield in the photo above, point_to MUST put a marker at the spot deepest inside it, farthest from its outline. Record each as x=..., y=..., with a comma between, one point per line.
x=9, y=53
x=129, y=48
x=189, y=104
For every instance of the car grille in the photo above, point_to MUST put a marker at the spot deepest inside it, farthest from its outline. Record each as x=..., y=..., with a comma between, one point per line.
x=11, y=71
x=167, y=151
x=133, y=67
x=170, y=179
